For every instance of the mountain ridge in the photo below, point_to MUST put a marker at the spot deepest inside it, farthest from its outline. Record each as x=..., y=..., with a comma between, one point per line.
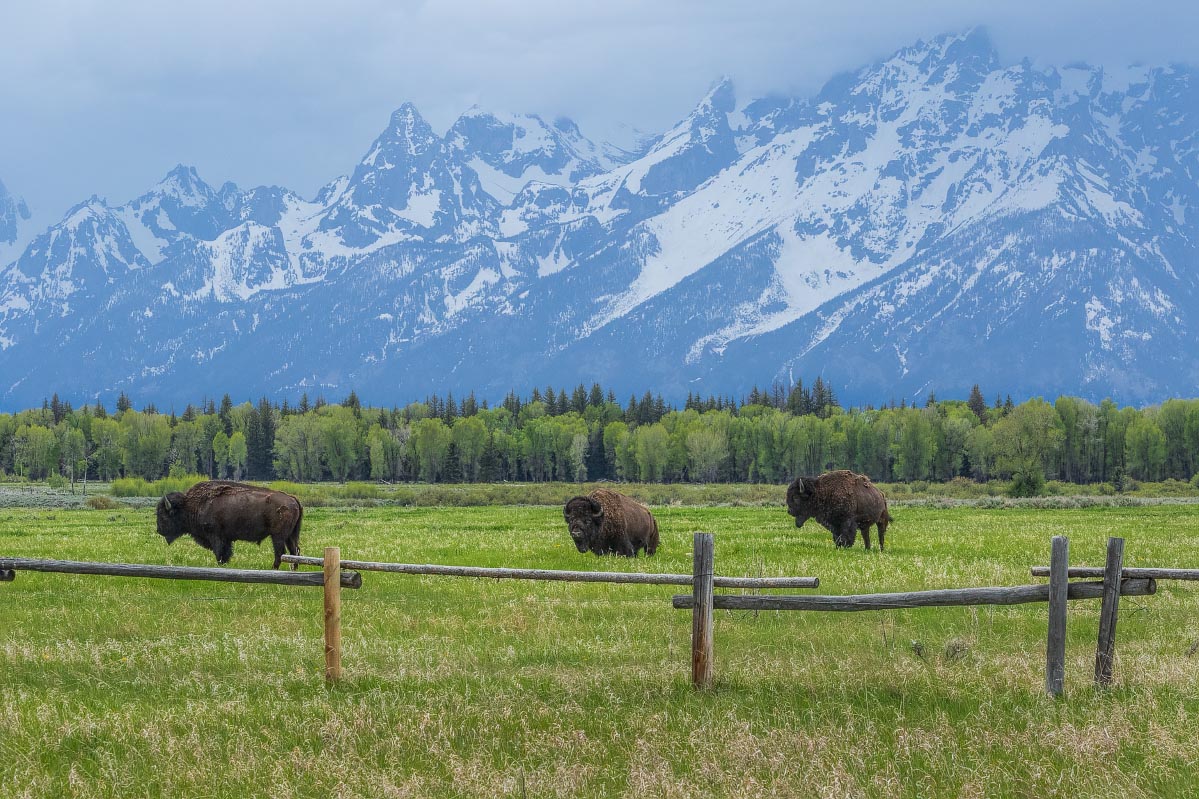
x=929, y=221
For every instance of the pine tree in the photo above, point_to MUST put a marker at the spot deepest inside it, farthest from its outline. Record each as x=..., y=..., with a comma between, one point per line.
x=659, y=408
x=535, y=396
x=320, y=402
x=551, y=401
x=630, y=412
x=489, y=461
x=596, y=398
x=578, y=400
x=470, y=406
x=352, y=402
x=931, y=402
x=226, y=414
x=977, y=404
x=450, y=413
x=123, y=403
x=189, y=413
x=1008, y=406
x=303, y=406
x=101, y=413
x=563, y=406
x=452, y=471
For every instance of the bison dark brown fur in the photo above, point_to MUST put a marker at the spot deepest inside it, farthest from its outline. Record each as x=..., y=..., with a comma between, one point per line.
x=842, y=501
x=605, y=522
x=218, y=512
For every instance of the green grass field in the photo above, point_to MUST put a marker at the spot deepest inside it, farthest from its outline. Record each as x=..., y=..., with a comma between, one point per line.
x=462, y=687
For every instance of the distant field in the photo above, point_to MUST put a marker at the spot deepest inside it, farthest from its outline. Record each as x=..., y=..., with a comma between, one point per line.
x=462, y=687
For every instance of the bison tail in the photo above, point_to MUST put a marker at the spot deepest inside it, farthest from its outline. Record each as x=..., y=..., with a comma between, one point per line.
x=651, y=546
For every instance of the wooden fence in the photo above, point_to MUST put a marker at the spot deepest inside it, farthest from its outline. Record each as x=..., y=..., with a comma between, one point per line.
x=703, y=601
x=332, y=579
x=1116, y=582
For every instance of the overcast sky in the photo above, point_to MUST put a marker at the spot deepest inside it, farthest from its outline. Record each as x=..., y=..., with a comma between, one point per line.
x=105, y=97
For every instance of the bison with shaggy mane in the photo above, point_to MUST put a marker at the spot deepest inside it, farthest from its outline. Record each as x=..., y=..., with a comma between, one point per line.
x=218, y=512
x=843, y=502
x=605, y=522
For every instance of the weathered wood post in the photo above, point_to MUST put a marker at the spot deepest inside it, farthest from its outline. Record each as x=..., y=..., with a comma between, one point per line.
x=1059, y=585
x=332, y=575
x=1108, y=612
x=701, y=613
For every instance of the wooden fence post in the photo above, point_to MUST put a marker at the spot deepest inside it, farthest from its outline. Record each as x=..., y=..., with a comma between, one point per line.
x=1059, y=584
x=1108, y=612
x=701, y=614
x=332, y=575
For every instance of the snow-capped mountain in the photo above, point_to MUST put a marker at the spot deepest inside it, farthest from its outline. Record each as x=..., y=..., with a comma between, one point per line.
x=930, y=221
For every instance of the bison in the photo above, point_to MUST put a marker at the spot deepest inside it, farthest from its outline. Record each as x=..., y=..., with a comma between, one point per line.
x=842, y=501
x=218, y=512
x=606, y=522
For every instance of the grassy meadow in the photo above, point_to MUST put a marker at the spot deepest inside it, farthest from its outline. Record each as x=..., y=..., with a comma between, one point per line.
x=115, y=687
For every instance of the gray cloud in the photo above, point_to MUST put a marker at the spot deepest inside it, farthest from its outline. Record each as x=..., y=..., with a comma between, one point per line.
x=106, y=96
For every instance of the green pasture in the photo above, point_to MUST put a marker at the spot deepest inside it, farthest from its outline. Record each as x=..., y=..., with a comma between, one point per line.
x=115, y=687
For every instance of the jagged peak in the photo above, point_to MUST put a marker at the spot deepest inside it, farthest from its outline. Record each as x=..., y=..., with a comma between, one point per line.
x=184, y=183
x=721, y=97
x=407, y=130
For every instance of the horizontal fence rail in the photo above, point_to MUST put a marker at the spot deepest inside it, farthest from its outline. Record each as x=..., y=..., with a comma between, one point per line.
x=563, y=576
x=348, y=579
x=1147, y=574
x=1013, y=595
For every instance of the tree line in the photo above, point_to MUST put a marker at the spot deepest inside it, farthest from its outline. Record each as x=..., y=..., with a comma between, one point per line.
x=586, y=434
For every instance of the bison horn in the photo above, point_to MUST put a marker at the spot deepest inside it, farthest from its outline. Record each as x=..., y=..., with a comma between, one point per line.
x=166, y=503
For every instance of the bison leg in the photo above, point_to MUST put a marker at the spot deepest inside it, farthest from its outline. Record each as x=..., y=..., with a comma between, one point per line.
x=849, y=533
x=882, y=531
x=223, y=552
x=293, y=548
x=865, y=528
x=280, y=548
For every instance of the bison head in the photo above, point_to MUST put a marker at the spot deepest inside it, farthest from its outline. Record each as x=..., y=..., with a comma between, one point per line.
x=171, y=519
x=584, y=518
x=800, y=499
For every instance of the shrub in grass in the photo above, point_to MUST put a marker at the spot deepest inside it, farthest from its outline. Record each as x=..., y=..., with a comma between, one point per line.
x=102, y=502
x=139, y=487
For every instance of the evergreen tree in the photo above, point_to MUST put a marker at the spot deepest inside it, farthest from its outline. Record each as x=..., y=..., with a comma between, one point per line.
x=489, y=463
x=596, y=398
x=977, y=404
x=470, y=406
x=931, y=402
x=303, y=406
x=100, y=412
x=535, y=396
x=450, y=412
x=123, y=403
x=578, y=400
x=189, y=414
x=452, y=471
x=226, y=414
x=563, y=406
x=320, y=402
x=630, y=412
x=353, y=404
x=551, y=401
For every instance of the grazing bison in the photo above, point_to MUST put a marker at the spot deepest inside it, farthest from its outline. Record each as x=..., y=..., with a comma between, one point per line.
x=842, y=501
x=607, y=522
x=218, y=512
